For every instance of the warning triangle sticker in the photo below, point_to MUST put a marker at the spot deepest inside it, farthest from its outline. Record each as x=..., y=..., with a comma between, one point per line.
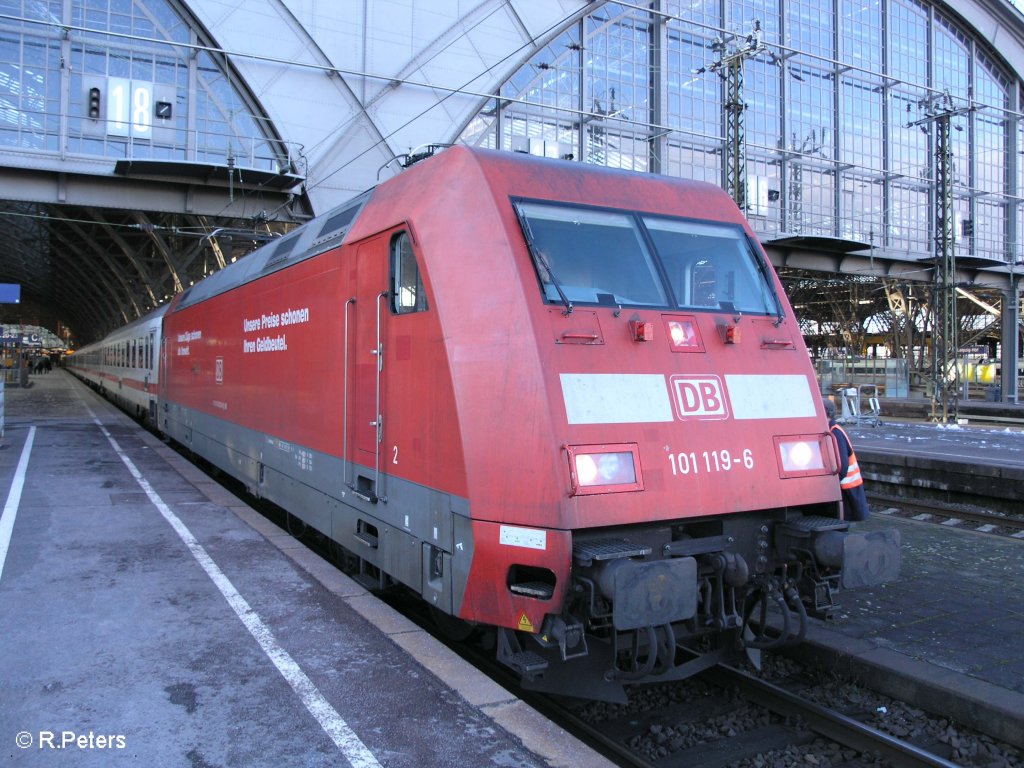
x=524, y=623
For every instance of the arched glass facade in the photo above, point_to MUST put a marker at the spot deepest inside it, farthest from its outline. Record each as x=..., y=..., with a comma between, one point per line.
x=839, y=101
x=124, y=79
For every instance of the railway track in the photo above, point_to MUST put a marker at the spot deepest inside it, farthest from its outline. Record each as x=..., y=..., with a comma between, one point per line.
x=731, y=718
x=832, y=724
x=984, y=521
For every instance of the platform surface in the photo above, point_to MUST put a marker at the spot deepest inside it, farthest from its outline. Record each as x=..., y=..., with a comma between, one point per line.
x=149, y=617
x=976, y=444
x=953, y=624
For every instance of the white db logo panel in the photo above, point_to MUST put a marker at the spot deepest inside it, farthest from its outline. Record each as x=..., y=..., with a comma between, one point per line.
x=699, y=397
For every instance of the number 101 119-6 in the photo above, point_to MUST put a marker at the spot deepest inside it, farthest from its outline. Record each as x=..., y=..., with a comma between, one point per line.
x=694, y=462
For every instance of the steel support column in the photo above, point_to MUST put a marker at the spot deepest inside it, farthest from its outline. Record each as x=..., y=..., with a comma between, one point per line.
x=735, y=138
x=1011, y=358
x=939, y=112
x=945, y=344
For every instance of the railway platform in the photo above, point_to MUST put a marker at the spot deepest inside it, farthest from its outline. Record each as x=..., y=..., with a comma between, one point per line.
x=953, y=625
x=949, y=462
x=950, y=631
x=150, y=617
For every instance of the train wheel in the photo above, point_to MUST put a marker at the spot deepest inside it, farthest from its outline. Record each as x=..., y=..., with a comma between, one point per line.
x=452, y=627
x=346, y=561
x=296, y=527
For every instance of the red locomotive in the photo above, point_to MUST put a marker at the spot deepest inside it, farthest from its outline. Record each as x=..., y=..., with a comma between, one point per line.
x=565, y=402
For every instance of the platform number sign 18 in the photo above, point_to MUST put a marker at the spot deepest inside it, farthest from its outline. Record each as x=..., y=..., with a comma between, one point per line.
x=129, y=107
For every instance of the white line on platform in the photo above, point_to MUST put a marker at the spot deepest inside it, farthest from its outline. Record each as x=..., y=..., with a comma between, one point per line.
x=357, y=754
x=14, y=498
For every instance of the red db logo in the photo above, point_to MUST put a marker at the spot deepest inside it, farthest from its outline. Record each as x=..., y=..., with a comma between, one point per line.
x=699, y=397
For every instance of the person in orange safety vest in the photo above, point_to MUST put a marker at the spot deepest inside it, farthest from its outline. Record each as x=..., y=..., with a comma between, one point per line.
x=855, y=501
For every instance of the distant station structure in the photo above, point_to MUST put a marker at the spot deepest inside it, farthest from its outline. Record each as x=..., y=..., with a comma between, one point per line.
x=874, y=146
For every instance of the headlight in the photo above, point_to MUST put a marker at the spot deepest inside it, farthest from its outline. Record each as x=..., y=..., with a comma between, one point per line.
x=683, y=334
x=604, y=468
x=802, y=455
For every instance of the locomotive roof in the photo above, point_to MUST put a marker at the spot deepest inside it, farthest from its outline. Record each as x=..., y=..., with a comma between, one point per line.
x=331, y=229
x=311, y=239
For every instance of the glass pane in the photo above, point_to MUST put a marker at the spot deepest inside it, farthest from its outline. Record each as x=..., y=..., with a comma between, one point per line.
x=594, y=257
x=711, y=266
x=407, y=285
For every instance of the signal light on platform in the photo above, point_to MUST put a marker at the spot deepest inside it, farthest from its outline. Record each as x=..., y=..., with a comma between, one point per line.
x=94, y=103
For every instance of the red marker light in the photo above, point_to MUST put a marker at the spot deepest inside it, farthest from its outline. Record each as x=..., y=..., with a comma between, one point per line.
x=641, y=331
x=731, y=334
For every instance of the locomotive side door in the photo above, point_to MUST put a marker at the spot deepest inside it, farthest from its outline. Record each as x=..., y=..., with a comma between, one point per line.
x=365, y=417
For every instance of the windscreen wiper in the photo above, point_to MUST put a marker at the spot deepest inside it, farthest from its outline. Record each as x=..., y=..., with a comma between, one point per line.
x=762, y=267
x=543, y=265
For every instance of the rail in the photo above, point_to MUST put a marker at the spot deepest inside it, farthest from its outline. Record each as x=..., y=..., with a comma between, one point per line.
x=831, y=724
x=950, y=512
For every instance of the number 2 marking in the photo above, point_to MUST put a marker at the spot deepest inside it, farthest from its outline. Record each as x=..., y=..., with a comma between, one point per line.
x=394, y=460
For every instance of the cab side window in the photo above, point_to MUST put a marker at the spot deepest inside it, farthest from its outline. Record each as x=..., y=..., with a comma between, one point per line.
x=407, y=294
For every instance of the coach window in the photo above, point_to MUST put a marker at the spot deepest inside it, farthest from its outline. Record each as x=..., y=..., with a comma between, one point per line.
x=407, y=294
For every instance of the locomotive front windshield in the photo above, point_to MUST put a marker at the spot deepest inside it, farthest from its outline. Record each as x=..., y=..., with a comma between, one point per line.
x=712, y=266
x=591, y=257
x=587, y=256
